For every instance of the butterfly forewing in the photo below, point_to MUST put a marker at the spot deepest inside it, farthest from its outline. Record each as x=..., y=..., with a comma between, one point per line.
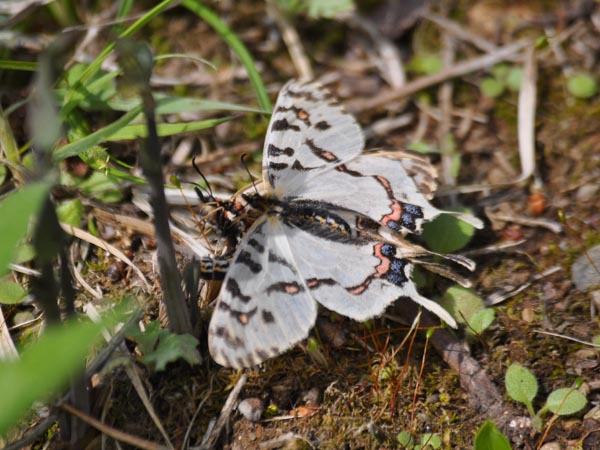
x=309, y=133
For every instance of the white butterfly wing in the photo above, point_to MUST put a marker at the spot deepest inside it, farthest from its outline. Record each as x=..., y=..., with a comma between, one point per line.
x=380, y=188
x=264, y=307
x=309, y=132
x=357, y=278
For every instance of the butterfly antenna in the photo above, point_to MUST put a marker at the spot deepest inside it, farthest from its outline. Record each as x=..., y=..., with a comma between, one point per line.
x=198, y=189
x=243, y=160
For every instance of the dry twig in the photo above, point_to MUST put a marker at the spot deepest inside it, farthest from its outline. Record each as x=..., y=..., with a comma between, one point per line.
x=460, y=69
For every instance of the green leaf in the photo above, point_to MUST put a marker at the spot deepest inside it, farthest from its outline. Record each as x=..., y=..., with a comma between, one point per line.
x=426, y=63
x=405, y=439
x=491, y=87
x=11, y=292
x=19, y=206
x=172, y=347
x=490, y=438
x=481, y=320
x=521, y=384
x=447, y=234
x=24, y=253
x=11, y=64
x=500, y=72
x=70, y=212
x=328, y=8
x=43, y=368
x=423, y=147
x=566, y=401
x=461, y=302
x=102, y=187
x=582, y=85
x=160, y=347
x=514, y=78
x=430, y=440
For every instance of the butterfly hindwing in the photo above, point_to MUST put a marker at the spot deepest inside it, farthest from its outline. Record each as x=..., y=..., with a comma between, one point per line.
x=263, y=307
x=354, y=273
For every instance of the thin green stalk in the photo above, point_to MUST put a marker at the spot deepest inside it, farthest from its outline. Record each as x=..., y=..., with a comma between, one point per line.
x=236, y=45
x=11, y=64
x=8, y=145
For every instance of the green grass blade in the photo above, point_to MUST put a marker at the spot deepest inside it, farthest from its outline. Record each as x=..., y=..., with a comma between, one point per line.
x=164, y=129
x=166, y=104
x=11, y=64
x=236, y=45
x=74, y=148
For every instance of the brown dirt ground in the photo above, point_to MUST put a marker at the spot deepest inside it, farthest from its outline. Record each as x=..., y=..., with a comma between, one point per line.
x=380, y=381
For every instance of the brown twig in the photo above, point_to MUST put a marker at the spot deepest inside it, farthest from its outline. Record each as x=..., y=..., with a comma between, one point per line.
x=461, y=32
x=292, y=41
x=460, y=69
x=212, y=435
x=388, y=58
x=113, y=432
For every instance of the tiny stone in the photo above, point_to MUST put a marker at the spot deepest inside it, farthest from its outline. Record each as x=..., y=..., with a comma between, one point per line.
x=520, y=423
x=587, y=192
x=551, y=446
x=311, y=397
x=252, y=408
x=583, y=273
x=528, y=315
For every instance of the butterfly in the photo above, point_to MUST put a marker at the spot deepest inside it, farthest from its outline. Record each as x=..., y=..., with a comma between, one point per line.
x=330, y=231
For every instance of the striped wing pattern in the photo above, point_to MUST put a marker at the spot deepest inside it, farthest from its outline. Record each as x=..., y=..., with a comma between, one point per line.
x=331, y=232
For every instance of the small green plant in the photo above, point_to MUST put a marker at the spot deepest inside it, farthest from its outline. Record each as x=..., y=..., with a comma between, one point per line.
x=425, y=63
x=503, y=77
x=582, y=85
x=488, y=437
x=427, y=441
x=467, y=308
x=522, y=386
x=160, y=347
x=447, y=233
x=317, y=9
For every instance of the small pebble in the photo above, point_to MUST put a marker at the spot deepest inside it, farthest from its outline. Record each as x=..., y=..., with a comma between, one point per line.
x=583, y=273
x=252, y=408
x=311, y=397
x=551, y=446
x=528, y=315
x=587, y=192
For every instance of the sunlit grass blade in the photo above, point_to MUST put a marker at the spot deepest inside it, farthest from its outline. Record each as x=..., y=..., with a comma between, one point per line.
x=165, y=129
x=236, y=45
x=167, y=104
x=11, y=64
